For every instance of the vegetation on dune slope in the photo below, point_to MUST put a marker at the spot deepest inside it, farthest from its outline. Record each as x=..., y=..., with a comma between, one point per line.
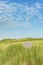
x=19, y=40
x=4, y=41
x=17, y=54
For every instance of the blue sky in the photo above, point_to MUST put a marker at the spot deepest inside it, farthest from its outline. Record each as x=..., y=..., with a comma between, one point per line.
x=21, y=18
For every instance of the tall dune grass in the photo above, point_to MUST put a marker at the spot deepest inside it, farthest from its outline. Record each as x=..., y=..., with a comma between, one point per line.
x=19, y=55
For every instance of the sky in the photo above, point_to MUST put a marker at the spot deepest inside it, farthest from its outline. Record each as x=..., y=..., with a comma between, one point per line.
x=21, y=19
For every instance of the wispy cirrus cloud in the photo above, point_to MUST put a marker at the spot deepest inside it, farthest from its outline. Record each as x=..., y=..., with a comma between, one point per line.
x=15, y=14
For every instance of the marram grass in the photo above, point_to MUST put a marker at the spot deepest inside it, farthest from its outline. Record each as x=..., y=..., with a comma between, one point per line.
x=17, y=54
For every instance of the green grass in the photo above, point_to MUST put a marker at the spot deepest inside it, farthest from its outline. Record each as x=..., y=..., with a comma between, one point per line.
x=14, y=53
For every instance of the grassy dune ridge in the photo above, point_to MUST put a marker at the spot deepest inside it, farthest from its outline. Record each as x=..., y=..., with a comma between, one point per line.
x=12, y=52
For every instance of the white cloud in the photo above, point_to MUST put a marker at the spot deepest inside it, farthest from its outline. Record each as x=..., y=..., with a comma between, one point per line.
x=15, y=14
x=38, y=5
x=40, y=17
